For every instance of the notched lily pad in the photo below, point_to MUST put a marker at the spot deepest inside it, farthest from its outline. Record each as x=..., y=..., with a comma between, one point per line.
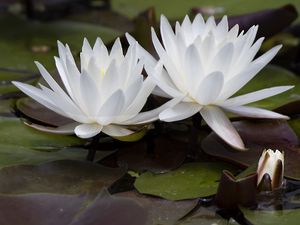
x=192, y=180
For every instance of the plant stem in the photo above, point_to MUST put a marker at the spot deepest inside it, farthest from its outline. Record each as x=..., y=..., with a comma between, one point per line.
x=93, y=148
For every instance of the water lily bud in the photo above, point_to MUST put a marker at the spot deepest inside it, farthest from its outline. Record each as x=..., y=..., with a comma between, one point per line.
x=270, y=170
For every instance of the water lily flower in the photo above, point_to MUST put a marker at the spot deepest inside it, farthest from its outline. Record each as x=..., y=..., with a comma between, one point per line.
x=270, y=169
x=105, y=95
x=206, y=64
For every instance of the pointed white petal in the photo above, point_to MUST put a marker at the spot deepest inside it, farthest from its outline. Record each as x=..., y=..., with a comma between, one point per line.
x=167, y=36
x=48, y=78
x=198, y=24
x=110, y=80
x=180, y=111
x=88, y=130
x=144, y=55
x=138, y=103
x=253, y=112
x=86, y=47
x=39, y=96
x=210, y=88
x=222, y=61
x=89, y=93
x=255, y=96
x=152, y=115
x=116, y=50
x=65, y=129
x=162, y=79
x=111, y=108
x=220, y=124
x=116, y=131
x=193, y=68
x=240, y=80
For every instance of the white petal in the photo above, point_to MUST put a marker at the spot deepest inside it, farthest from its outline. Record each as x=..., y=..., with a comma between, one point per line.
x=48, y=78
x=167, y=36
x=237, y=82
x=222, y=27
x=253, y=112
x=198, y=24
x=117, y=51
x=193, y=68
x=65, y=129
x=39, y=96
x=90, y=94
x=88, y=130
x=116, y=131
x=138, y=103
x=111, y=108
x=222, y=61
x=167, y=61
x=162, y=79
x=210, y=88
x=152, y=115
x=86, y=47
x=220, y=124
x=180, y=111
x=110, y=80
x=255, y=96
x=144, y=55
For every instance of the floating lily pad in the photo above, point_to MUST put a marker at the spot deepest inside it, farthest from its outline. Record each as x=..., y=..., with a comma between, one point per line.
x=191, y=180
x=282, y=217
x=50, y=209
x=7, y=107
x=14, y=132
x=274, y=76
x=22, y=145
x=63, y=177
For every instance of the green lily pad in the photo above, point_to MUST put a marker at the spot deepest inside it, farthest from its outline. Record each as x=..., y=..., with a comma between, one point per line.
x=63, y=177
x=282, y=217
x=269, y=77
x=6, y=107
x=191, y=180
x=20, y=144
x=25, y=41
x=14, y=132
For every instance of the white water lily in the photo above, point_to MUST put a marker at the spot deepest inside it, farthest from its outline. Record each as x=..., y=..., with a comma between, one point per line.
x=271, y=163
x=105, y=95
x=205, y=63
